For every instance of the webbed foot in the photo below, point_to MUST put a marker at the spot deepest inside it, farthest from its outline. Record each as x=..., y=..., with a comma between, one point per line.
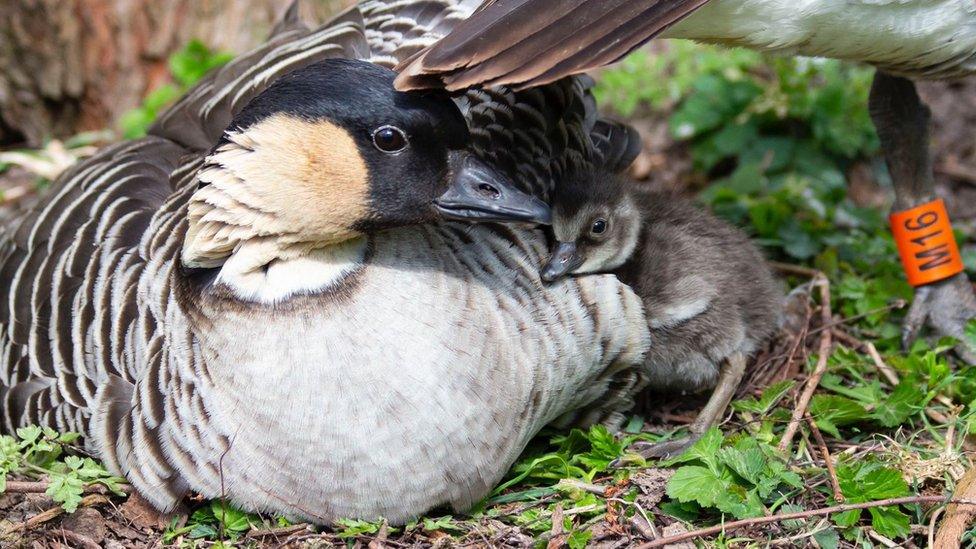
x=730, y=374
x=945, y=306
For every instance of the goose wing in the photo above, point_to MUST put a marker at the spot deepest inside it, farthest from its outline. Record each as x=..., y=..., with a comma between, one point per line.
x=534, y=42
x=63, y=267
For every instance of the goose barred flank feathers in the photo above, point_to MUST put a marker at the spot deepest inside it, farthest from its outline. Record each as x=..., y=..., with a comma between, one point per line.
x=416, y=383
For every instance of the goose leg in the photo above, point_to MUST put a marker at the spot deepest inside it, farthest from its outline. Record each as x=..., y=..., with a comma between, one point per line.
x=730, y=374
x=902, y=122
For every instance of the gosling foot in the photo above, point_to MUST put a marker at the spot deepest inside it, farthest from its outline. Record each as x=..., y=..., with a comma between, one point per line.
x=730, y=374
x=945, y=306
x=666, y=449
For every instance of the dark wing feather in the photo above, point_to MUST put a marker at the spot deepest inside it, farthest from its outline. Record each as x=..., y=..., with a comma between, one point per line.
x=618, y=144
x=528, y=43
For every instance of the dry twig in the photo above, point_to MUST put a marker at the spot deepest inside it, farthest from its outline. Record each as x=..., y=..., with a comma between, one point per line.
x=53, y=513
x=557, y=533
x=958, y=516
x=379, y=542
x=956, y=170
x=828, y=461
x=814, y=381
x=79, y=540
x=735, y=525
x=39, y=487
x=282, y=532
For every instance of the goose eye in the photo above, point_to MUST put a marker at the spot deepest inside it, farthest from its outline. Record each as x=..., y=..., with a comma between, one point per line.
x=389, y=139
x=599, y=226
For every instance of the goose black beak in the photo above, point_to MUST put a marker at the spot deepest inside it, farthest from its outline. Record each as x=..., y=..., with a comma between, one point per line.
x=480, y=193
x=563, y=261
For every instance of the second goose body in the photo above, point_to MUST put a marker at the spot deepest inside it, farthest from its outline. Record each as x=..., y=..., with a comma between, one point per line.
x=915, y=38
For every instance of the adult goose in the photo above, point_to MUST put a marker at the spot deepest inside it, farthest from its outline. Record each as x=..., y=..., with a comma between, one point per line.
x=234, y=305
x=532, y=42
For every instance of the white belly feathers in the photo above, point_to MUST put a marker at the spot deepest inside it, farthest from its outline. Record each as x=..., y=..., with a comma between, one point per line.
x=419, y=380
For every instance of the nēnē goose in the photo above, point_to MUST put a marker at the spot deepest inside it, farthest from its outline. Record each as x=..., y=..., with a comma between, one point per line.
x=532, y=42
x=378, y=376
x=709, y=296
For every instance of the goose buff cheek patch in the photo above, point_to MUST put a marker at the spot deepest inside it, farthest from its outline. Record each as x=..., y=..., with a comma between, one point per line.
x=926, y=244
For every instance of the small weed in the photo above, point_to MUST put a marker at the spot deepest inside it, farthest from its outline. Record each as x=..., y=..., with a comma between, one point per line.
x=186, y=68
x=43, y=453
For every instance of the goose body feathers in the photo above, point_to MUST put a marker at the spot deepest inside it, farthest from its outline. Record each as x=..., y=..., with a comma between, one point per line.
x=410, y=374
x=532, y=42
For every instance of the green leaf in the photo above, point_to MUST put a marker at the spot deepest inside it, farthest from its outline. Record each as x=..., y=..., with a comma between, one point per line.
x=870, y=481
x=69, y=437
x=200, y=531
x=352, y=528
x=905, y=401
x=847, y=518
x=969, y=334
x=769, y=398
x=739, y=502
x=747, y=460
x=704, y=450
x=699, y=484
x=29, y=435
x=66, y=490
x=831, y=412
x=445, y=524
x=827, y=538
x=531, y=494
x=233, y=520
x=579, y=539
x=686, y=511
x=890, y=522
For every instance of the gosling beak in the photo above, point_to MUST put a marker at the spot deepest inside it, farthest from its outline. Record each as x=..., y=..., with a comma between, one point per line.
x=480, y=193
x=563, y=261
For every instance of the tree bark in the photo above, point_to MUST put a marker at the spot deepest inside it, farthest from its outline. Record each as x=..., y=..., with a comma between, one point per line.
x=74, y=65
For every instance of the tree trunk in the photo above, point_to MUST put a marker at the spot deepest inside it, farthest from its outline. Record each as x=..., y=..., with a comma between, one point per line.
x=74, y=65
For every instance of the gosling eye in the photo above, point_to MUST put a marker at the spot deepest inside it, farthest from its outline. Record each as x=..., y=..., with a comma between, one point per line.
x=599, y=226
x=389, y=139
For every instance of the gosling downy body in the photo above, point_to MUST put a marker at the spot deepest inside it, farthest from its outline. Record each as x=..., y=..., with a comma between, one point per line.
x=905, y=39
x=709, y=297
x=199, y=320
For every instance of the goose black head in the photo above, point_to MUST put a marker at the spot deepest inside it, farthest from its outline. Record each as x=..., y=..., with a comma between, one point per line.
x=330, y=152
x=596, y=223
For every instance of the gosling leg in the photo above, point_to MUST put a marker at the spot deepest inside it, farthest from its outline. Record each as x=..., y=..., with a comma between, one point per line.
x=730, y=374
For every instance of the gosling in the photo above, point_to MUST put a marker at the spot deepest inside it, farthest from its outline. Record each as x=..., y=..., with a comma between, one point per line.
x=709, y=296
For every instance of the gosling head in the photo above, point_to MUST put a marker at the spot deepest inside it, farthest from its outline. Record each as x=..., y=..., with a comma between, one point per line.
x=331, y=152
x=596, y=224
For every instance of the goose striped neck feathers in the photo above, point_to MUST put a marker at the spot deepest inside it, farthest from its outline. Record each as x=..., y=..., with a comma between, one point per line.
x=329, y=153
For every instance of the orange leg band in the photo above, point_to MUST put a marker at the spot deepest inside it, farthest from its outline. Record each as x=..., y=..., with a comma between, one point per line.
x=927, y=247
